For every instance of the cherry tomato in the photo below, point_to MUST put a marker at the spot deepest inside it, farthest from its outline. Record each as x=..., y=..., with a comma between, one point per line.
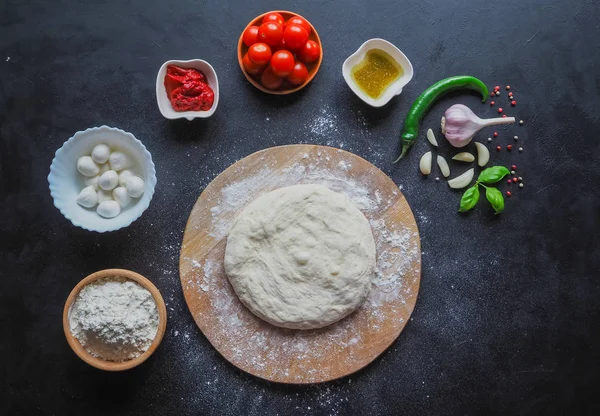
x=251, y=67
x=279, y=47
x=270, y=33
x=274, y=17
x=259, y=53
x=310, y=52
x=269, y=80
x=300, y=21
x=282, y=63
x=299, y=74
x=295, y=36
x=250, y=36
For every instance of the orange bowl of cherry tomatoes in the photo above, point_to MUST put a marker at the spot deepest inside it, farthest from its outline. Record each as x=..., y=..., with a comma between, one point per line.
x=279, y=52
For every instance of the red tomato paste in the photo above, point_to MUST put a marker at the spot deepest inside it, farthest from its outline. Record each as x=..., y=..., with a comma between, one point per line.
x=187, y=89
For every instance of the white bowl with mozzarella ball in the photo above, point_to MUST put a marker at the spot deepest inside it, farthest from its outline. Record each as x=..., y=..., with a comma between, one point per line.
x=66, y=182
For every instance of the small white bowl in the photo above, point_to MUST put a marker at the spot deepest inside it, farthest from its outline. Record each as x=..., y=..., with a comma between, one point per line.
x=66, y=182
x=164, y=105
x=393, y=89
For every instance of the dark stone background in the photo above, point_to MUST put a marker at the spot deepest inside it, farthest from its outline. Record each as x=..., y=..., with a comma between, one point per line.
x=507, y=318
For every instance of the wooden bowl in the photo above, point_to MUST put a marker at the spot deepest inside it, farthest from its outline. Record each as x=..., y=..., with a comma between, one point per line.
x=286, y=87
x=112, y=365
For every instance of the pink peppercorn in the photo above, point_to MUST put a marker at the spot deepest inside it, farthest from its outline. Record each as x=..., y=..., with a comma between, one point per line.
x=492, y=103
x=495, y=134
x=514, y=167
x=508, y=193
x=509, y=181
x=515, y=180
x=509, y=147
x=500, y=110
x=513, y=102
x=508, y=87
x=504, y=116
x=498, y=148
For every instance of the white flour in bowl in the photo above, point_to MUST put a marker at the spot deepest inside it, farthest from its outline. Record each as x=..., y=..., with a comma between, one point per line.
x=114, y=318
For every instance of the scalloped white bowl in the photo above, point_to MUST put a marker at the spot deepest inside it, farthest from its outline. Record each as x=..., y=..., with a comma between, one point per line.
x=66, y=182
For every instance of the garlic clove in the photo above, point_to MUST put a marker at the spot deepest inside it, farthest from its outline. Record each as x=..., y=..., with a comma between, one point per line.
x=464, y=157
x=463, y=180
x=431, y=138
x=425, y=163
x=443, y=166
x=483, y=154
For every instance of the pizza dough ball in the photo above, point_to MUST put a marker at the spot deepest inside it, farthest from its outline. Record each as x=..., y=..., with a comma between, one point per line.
x=122, y=197
x=92, y=181
x=87, y=197
x=119, y=161
x=124, y=175
x=108, y=180
x=301, y=257
x=101, y=153
x=135, y=186
x=104, y=196
x=109, y=209
x=87, y=167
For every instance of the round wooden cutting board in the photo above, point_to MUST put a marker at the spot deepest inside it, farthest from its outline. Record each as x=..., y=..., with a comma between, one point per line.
x=296, y=356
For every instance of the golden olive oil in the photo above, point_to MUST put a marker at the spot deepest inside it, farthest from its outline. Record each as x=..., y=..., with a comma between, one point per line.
x=376, y=72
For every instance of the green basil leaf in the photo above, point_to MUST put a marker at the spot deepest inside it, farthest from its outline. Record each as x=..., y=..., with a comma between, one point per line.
x=469, y=198
x=496, y=199
x=493, y=174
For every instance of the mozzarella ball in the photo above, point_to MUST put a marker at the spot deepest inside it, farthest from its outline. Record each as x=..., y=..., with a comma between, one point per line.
x=101, y=153
x=87, y=167
x=135, y=186
x=105, y=167
x=124, y=175
x=87, y=197
x=122, y=197
x=109, y=209
x=92, y=181
x=108, y=180
x=119, y=161
x=104, y=196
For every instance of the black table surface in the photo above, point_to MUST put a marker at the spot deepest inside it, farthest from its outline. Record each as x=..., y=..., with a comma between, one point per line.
x=507, y=316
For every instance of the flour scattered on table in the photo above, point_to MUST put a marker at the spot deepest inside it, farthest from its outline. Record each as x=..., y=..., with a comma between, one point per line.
x=324, y=123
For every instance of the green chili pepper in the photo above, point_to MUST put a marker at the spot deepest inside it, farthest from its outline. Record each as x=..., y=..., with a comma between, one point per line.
x=422, y=104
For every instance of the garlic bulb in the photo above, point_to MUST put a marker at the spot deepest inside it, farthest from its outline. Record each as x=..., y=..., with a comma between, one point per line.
x=460, y=124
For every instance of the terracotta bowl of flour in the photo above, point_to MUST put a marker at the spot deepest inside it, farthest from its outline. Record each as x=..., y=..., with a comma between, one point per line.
x=100, y=363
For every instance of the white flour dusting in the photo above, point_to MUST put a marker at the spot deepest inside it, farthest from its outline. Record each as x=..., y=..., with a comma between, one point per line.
x=324, y=124
x=253, y=344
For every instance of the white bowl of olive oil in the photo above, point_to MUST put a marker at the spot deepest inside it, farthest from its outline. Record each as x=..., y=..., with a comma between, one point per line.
x=377, y=72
